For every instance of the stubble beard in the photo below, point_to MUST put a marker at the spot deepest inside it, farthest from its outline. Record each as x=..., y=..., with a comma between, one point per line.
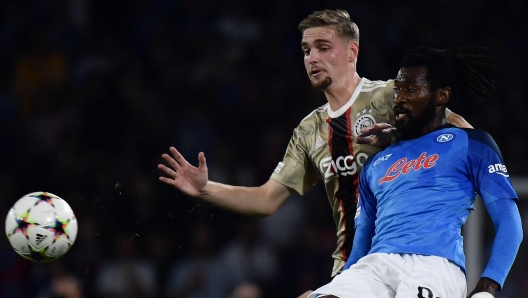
x=322, y=84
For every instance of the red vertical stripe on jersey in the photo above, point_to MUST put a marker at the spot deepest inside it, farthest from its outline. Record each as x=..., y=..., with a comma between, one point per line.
x=341, y=145
x=355, y=177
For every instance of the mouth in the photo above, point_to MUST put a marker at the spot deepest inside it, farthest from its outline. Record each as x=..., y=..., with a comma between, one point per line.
x=315, y=72
x=400, y=116
x=400, y=113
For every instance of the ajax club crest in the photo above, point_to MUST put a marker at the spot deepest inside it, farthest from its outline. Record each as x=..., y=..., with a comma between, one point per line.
x=363, y=121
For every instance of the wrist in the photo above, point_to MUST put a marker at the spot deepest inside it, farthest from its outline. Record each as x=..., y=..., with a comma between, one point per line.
x=489, y=285
x=205, y=191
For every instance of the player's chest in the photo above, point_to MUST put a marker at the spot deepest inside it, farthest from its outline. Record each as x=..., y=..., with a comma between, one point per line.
x=421, y=161
x=334, y=149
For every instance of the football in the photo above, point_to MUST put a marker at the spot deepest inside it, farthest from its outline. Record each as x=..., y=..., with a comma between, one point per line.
x=41, y=227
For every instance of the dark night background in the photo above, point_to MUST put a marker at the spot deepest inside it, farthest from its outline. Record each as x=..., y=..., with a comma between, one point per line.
x=92, y=93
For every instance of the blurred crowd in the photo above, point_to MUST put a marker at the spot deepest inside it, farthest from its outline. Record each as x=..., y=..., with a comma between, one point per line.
x=92, y=92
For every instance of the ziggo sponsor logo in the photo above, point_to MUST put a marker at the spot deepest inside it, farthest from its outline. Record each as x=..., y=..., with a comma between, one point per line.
x=402, y=166
x=343, y=165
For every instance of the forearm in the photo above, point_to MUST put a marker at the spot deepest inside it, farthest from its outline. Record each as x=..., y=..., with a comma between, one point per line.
x=507, y=222
x=362, y=244
x=254, y=201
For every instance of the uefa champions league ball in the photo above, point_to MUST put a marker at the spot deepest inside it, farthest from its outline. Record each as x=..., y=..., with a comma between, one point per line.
x=41, y=227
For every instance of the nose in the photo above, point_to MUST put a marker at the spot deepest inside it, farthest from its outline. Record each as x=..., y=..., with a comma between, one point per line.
x=312, y=57
x=399, y=97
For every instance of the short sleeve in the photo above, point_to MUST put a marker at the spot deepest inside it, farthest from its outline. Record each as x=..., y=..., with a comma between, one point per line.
x=296, y=170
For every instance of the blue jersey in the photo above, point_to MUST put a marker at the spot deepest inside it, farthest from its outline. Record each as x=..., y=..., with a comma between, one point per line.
x=419, y=192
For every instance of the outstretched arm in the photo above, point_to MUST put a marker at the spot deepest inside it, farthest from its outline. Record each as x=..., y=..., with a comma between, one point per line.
x=194, y=182
x=508, y=236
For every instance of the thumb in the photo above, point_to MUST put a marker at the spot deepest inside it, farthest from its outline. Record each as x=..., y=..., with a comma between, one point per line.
x=201, y=161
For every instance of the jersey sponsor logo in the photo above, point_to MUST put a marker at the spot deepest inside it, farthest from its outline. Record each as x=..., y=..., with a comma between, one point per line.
x=404, y=166
x=498, y=169
x=363, y=122
x=382, y=158
x=343, y=165
x=445, y=137
x=278, y=168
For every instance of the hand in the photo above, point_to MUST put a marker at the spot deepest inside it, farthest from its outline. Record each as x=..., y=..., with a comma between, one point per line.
x=381, y=135
x=485, y=285
x=183, y=176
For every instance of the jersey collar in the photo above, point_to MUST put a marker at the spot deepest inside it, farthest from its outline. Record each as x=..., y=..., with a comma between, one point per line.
x=335, y=114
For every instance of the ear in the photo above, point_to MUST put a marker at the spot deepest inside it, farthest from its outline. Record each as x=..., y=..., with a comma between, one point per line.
x=442, y=96
x=353, y=48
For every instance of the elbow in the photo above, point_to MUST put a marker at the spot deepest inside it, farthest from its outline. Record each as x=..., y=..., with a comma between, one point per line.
x=265, y=212
x=520, y=236
x=262, y=215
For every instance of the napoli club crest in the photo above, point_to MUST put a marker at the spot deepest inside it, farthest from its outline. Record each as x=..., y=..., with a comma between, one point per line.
x=445, y=137
x=362, y=122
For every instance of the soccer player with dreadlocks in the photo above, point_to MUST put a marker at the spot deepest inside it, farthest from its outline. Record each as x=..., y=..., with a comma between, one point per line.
x=416, y=195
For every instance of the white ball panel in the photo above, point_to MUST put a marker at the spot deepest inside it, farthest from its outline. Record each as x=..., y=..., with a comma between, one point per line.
x=10, y=223
x=23, y=205
x=19, y=243
x=71, y=230
x=62, y=209
x=43, y=213
x=58, y=248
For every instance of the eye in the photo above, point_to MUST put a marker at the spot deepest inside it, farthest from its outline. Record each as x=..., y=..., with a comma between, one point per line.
x=324, y=49
x=411, y=89
x=396, y=90
x=306, y=52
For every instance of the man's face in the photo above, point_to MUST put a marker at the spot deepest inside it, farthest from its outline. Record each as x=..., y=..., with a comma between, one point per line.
x=327, y=57
x=415, y=103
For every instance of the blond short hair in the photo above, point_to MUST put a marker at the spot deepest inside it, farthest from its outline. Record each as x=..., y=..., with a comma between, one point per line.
x=339, y=19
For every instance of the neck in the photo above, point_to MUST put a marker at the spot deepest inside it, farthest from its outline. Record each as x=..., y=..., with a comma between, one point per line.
x=438, y=120
x=339, y=95
x=426, y=127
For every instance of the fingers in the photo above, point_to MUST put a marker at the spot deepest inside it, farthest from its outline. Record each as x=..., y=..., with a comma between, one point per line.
x=374, y=128
x=170, y=172
x=176, y=164
x=369, y=141
x=201, y=161
x=171, y=161
x=178, y=157
x=166, y=180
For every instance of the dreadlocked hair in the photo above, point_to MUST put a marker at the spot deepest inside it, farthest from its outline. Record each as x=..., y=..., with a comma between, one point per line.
x=467, y=70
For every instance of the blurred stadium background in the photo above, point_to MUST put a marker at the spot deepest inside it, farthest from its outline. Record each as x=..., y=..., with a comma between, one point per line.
x=92, y=92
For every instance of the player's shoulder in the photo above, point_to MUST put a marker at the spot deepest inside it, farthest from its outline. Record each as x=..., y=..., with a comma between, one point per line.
x=476, y=134
x=370, y=85
x=317, y=116
x=481, y=137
